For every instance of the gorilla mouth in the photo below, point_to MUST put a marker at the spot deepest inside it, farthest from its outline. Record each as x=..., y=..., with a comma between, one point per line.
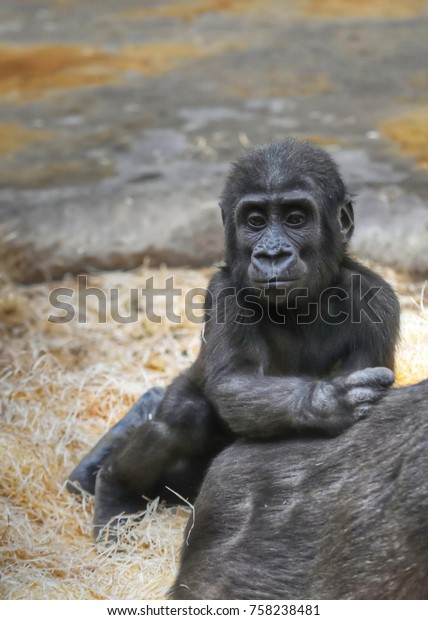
x=276, y=279
x=275, y=282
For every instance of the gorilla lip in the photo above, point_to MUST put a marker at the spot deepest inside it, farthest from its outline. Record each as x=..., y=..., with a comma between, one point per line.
x=275, y=283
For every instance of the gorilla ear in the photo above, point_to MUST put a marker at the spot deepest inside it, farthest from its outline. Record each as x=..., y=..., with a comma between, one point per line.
x=346, y=220
x=221, y=205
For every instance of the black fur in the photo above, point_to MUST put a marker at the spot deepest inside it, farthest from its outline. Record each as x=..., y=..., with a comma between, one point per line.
x=299, y=360
x=338, y=518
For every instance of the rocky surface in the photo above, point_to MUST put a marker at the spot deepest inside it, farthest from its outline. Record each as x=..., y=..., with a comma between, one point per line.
x=118, y=121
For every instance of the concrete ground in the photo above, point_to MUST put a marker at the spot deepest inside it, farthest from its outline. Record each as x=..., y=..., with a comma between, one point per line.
x=118, y=120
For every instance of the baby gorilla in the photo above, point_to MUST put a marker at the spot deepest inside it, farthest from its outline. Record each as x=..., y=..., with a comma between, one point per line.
x=299, y=338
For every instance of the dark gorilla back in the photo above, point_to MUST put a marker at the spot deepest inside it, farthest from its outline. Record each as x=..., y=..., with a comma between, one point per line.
x=342, y=518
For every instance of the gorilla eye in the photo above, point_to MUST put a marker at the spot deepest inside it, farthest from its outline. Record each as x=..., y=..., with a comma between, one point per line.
x=256, y=222
x=295, y=219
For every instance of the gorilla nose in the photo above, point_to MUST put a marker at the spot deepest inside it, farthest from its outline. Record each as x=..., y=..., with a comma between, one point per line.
x=271, y=263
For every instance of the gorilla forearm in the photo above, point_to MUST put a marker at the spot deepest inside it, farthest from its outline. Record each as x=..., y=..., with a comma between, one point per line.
x=261, y=407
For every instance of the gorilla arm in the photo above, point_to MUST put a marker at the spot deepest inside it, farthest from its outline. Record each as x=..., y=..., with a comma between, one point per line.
x=262, y=407
x=258, y=406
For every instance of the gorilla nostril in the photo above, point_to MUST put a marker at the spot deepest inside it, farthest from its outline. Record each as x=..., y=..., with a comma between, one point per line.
x=272, y=253
x=272, y=264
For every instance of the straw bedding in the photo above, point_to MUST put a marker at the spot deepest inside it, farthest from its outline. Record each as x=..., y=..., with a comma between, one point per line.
x=61, y=387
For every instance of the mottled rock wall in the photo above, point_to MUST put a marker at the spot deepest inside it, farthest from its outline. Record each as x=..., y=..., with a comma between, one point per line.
x=118, y=122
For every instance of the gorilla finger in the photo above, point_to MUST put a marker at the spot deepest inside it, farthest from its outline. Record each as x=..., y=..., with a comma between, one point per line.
x=382, y=377
x=362, y=412
x=360, y=395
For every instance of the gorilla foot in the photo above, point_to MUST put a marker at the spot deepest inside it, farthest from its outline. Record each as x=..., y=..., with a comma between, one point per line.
x=113, y=505
x=85, y=473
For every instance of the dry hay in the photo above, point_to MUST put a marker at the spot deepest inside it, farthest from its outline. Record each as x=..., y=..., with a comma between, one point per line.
x=62, y=386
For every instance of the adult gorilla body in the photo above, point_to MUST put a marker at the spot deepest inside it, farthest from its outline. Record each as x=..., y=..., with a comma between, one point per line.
x=338, y=518
x=307, y=363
